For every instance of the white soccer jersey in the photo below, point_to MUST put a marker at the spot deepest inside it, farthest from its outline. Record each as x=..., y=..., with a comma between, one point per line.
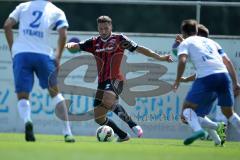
x=36, y=20
x=205, y=54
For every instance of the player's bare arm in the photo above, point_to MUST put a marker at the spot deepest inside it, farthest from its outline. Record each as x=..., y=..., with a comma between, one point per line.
x=61, y=42
x=182, y=60
x=233, y=74
x=9, y=23
x=148, y=52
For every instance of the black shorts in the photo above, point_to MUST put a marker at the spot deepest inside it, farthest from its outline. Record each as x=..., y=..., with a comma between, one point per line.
x=109, y=85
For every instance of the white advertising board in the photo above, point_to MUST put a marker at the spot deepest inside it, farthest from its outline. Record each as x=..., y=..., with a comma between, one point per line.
x=158, y=115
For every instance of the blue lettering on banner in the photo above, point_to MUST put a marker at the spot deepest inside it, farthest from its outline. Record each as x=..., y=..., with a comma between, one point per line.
x=146, y=109
x=47, y=107
x=157, y=109
x=36, y=102
x=86, y=104
x=177, y=109
x=4, y=96
x=72, y=103
x=41, y=103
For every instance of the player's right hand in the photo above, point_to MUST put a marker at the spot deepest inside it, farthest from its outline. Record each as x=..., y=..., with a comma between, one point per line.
x=179, y=38
x=72, y=46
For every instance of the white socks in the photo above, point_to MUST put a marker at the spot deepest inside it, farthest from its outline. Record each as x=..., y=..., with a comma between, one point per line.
x=59, y=100
x=213, y=134
x=207, y=123
x=24, y=110
x=235, y=121
x=192, y=119
x=210, y=127
x=196, y=123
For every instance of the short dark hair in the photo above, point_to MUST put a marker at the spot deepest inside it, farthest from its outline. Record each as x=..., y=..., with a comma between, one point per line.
x=189, y=27
x=202, y=30
x=104, y=19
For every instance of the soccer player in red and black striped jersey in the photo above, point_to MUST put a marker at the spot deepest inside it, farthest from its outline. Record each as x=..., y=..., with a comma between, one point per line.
x=108, y=49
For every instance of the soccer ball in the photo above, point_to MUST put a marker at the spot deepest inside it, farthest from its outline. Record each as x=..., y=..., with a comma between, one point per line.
x=105, y=134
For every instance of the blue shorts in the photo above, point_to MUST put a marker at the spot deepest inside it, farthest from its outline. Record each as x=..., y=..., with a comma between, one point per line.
x=206, y=90
x=206, y=106
x=26, y=64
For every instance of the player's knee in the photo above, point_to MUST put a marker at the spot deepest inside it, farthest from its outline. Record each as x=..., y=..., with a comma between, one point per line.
x=108, y=104
x=183, y=120
x=227, y=111
x=108, y=100
x=23, y=95
x=189, y=105
x=53, y=91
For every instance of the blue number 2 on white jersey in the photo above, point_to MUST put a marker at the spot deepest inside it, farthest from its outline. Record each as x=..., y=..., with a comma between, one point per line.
x=36, y=22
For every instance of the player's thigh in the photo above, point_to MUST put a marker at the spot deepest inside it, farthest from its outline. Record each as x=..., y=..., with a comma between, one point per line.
x=200, y=97
x=205, y=107
x=109, y=98
x=23, y=73
x=200, y=93
x=112, y=90
x=200, y=101
x=46, y=72
x=116, y=86
x=225, y=91
x=107, y=93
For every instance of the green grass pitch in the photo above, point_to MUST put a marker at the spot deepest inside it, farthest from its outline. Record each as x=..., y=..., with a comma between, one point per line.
x=51, y=147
